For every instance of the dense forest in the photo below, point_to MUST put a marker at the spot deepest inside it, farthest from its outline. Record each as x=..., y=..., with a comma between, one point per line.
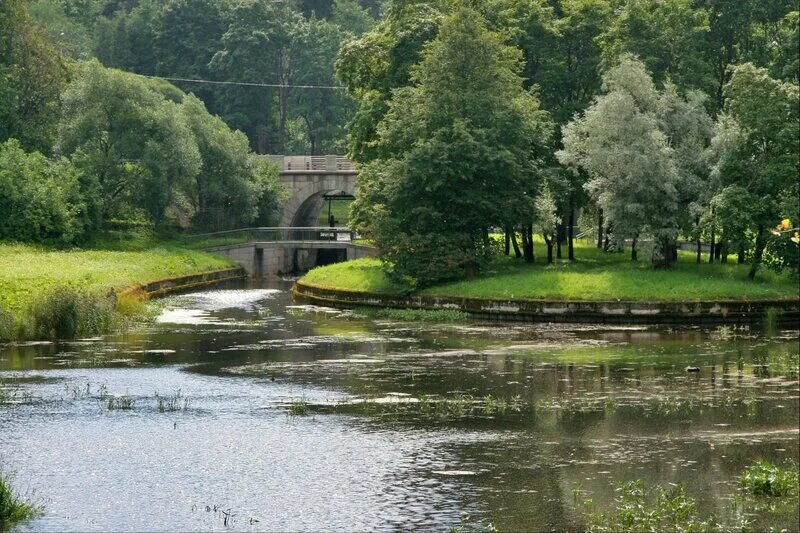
x=652, y=119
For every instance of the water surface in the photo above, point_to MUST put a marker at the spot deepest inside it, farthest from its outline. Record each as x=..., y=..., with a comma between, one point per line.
x=408, y=425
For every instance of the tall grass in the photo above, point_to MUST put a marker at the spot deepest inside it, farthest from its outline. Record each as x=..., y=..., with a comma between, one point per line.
x=67, y=313
x=13, y=508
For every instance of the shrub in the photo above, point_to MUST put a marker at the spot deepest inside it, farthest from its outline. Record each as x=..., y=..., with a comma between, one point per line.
x=40, y=198
x=13, y=509
x=765, y=478
x=67, y=313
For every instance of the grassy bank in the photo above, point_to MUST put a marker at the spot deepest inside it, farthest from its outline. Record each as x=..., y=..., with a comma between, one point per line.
x=37, y=280
x=595, y=275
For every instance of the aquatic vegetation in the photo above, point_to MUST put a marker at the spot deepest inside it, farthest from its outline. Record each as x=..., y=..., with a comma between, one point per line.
x=174, y=402
x=299, y=407
x=638, y=508
x=123, y=403
x=413, y=315
x=13, y=508
x=768, y=479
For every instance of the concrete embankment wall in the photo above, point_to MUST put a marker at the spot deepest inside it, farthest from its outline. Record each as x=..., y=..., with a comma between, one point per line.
x=162, y=287
x=787, y=313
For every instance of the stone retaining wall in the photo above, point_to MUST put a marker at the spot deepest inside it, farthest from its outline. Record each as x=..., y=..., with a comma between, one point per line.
x=162, y=287
x=611, y=312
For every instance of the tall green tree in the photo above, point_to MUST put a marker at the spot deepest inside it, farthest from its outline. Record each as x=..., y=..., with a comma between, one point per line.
x=261, y=44
x=40, y=198
x=760, y=152
x=633, y=174
x=233, y=184
x=133, y=146
x=32, y=75
x=667, y=36
x=380, y=61
x=459, y=154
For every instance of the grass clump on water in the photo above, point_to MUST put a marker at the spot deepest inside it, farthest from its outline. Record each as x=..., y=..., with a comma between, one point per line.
x=413, y=315
x=174, y=402
x=120, y=403
x=767, y=479
x=637, y=508
x=299, y=407
x=13, y=508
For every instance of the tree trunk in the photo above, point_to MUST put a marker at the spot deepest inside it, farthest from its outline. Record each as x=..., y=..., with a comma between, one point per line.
x=711, y=249
x=758, y=253
x=527, y=243
x=607, y=239
x=507, y=246
x=517, y=252
x=283, y=102
x=699, y=251
x=571, y=234
x=600, y=227
x=718, y=251
x=549, y=243
x=634, y=252
x=724, y=252
x=741, y=254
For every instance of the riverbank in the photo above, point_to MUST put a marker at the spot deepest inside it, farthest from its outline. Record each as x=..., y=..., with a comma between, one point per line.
x=29, y=274
x=599, y=286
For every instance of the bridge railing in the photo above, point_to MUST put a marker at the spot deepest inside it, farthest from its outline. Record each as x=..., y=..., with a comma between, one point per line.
x=306, y=163
x=270, y=234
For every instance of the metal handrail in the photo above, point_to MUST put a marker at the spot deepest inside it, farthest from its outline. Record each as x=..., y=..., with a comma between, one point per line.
x=279, y=234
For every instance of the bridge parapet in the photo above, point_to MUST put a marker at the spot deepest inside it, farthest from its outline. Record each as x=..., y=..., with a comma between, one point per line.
x=313, y=163
x=318, y=235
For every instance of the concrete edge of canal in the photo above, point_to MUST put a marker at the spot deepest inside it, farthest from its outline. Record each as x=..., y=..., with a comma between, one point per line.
x=189, y=282
x=785, y=313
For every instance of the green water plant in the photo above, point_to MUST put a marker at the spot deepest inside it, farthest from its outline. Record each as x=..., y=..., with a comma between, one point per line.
x=13, y=508
x=639, y=508
x=122, y=403
x=174, y=402
x=768, y=479
x=412, y=315
x=299, y=407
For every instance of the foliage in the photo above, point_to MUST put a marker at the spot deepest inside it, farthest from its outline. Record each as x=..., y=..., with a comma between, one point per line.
x=639, y=146
x=758, y=155
x=13, y=509
x=638, y=508
x=457, y=155
x=31, y=77
x=768, y=479
x=145, y=147
x=40, y=198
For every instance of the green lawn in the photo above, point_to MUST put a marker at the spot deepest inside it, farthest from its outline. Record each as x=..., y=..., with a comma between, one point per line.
x=595, y=275
x=28, y=271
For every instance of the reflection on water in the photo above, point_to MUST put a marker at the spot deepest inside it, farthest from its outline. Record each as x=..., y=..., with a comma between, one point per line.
x=410, y=426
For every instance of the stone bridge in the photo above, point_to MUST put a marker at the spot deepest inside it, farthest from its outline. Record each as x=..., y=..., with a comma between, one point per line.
x=269, y=252
x=309, y=179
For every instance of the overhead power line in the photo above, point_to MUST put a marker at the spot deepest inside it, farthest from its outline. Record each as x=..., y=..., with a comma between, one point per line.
x=250, y=84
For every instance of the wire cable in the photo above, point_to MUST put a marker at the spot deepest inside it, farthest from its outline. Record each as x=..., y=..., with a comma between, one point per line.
x=249, y=84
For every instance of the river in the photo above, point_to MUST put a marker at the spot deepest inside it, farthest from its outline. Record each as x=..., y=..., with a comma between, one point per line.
x=252, y=412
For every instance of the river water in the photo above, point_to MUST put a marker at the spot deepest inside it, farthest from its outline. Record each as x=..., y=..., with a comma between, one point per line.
x=406, y=425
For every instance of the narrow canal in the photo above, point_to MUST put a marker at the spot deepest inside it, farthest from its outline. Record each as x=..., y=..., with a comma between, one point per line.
x=251, y=412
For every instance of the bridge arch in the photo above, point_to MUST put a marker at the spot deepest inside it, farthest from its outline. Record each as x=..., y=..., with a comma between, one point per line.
x=308, y=179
